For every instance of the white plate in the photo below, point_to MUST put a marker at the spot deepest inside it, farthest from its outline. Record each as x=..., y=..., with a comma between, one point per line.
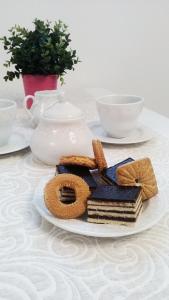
x=139, y=135
x=153, y=210
x=19, y=140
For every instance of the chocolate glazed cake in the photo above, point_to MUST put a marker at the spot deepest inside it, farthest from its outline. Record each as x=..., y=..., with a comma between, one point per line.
x=109, y=174
x=111, y=204
x=80, y=171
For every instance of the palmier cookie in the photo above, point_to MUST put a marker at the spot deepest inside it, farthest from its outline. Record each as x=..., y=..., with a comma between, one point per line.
x=138, y=173
x=84, y=161
x=52, y=196
x=99, y=155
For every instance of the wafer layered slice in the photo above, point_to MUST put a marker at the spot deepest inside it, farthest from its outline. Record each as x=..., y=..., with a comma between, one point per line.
x=112, y=204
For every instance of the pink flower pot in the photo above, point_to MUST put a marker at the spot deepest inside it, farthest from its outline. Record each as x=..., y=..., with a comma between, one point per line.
x=34, y=83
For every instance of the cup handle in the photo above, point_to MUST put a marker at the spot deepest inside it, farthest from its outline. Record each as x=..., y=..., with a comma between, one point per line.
x=29, y=112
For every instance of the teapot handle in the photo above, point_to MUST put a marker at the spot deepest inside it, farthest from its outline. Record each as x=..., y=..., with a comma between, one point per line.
x=29, y=110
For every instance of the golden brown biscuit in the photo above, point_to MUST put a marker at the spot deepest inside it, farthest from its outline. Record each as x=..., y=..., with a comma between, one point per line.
x=52, y=196
x=138, y=173
x=84, y=161
x=99, y=155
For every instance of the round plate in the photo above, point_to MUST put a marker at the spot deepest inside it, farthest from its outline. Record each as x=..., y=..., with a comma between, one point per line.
x=19, y=140
x=139, y=135
x=153, y=210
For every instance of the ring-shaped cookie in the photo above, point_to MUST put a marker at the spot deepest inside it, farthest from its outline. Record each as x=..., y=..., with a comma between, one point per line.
x=53, y=201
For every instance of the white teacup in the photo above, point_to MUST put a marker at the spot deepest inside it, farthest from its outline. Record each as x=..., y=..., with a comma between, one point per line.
x=119, y=113
x=7, y=117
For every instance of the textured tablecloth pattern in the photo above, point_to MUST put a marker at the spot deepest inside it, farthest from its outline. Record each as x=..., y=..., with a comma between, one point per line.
x=39, y=261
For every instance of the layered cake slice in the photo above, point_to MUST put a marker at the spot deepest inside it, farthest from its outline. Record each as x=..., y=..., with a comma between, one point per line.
x=111, y=204
x=109, y=174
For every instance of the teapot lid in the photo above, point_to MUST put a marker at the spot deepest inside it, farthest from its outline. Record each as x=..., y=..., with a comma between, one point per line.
x=63, y=111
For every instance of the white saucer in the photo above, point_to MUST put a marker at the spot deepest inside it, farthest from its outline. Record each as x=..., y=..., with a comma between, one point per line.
x=19, y=140
x=139, y=135
x=153, y=211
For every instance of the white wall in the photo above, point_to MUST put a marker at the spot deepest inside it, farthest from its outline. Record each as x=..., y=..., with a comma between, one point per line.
x=123, y=44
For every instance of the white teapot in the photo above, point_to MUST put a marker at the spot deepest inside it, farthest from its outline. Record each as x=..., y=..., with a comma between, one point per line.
x=41, y=102
x=61, y=131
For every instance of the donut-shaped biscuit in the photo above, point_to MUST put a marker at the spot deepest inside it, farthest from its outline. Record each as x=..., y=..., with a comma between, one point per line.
x=52, y=196
x=138, y=173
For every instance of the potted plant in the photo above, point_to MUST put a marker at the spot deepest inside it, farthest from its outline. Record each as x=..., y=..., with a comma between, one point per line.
x=40, y=56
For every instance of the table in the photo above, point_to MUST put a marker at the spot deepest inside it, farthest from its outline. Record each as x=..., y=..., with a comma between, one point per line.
x=42, y=262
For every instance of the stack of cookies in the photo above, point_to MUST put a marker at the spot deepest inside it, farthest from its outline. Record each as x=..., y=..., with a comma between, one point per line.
x=109, y=195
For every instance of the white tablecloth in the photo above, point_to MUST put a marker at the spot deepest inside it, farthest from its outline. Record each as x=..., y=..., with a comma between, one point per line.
x=39, y=261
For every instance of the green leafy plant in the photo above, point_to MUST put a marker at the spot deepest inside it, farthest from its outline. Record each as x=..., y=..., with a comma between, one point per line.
x=42, y=51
